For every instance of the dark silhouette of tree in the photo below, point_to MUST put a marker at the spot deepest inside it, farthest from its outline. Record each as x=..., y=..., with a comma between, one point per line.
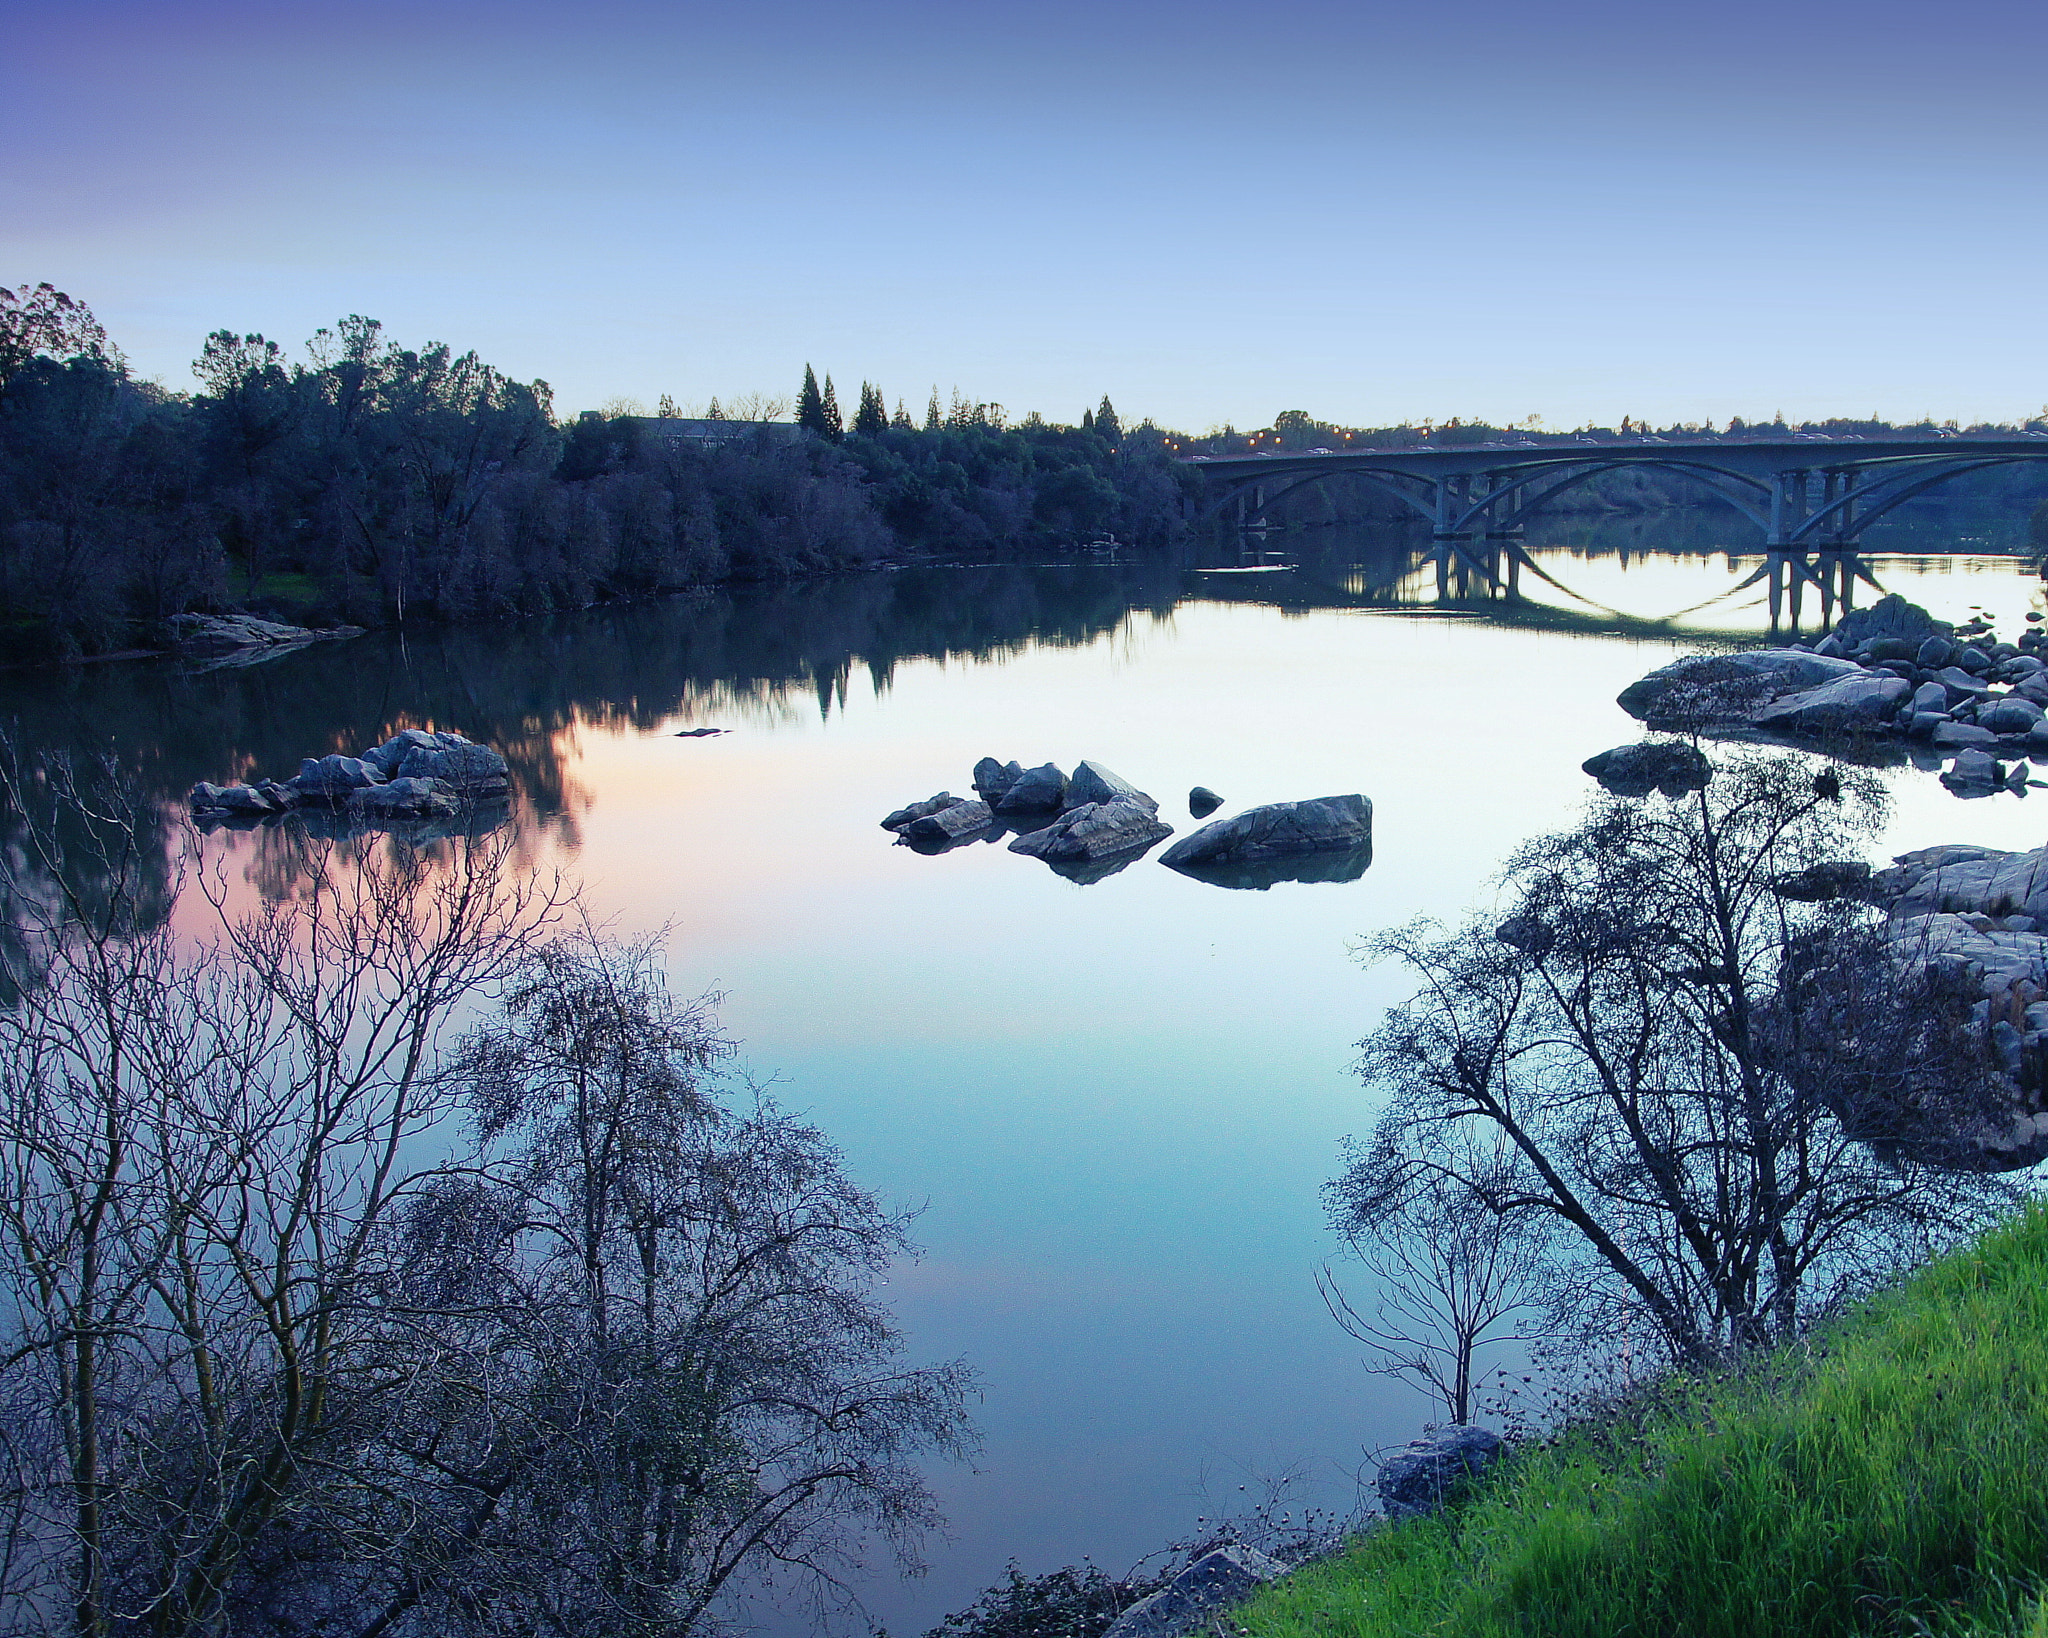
x=873, y=416
x=810, y=406
x=933, y=421
x=835, y=424
x=1626, y=1067
x=1106, y=424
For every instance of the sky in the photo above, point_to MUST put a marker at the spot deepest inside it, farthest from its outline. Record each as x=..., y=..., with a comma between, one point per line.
x=1376, y=212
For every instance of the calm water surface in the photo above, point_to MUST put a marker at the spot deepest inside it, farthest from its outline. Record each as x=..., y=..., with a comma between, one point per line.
x=1116, y=1102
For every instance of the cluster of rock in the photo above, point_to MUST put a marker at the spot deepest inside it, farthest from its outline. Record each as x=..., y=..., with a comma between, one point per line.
x=1413, y=1482
x=413, y=776
x=241, y=639
x=1887, y=673
x=1093, y=823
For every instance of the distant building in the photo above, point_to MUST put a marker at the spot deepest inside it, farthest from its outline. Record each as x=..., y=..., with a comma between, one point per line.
x=682, y=429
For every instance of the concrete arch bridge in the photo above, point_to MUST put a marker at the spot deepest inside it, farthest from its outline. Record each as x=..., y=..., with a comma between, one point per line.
x=1812, y=498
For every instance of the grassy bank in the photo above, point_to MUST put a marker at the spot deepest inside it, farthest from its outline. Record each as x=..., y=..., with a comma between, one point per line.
x=1892, y=1478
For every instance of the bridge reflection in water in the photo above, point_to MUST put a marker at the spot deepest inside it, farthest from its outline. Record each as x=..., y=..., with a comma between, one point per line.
x=1812, y=499
x=1661, y=576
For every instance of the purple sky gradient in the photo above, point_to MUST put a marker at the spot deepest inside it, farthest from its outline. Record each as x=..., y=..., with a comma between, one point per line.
x=1583, y=210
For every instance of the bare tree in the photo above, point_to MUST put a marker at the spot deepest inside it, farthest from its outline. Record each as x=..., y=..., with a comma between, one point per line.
x=691, y=1386
x=1451, y=1279
x=1632, y=1038
x=200, y=1148
x=281, y=1352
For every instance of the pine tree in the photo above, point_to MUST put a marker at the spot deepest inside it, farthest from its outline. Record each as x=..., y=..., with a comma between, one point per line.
x=712, y=412
x=873, y=418
x=901, y=420
x=810, y=407
x=1106, y=423
x=668, y=410
x=932, y=423
x=1087, y=420
x=835, y=423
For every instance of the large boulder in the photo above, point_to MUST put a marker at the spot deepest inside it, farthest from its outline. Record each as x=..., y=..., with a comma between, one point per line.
x=388, y=758
x=1101, y=830
x=1324, y=824
x=1667, y=765
x=1036, y=790
x=1861, y=704
x=333, y=778
x=1216, y=1580
x=1718, y=688
x=474, y=771
x=1092, y=782
x=1420, y=1477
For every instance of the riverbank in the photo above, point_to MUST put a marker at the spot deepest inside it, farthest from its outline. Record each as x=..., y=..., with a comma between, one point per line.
x=1888, y=1474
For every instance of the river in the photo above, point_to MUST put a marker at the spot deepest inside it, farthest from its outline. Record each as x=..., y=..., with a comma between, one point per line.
x=1115, y=1102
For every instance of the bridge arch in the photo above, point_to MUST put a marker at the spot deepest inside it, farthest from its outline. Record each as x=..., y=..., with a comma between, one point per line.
x=1377, y=480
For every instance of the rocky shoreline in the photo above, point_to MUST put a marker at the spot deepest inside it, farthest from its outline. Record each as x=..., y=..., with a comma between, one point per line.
x=1888, y=679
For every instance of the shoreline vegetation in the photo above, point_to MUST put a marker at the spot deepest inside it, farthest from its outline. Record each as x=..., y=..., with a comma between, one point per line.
x=368, y=483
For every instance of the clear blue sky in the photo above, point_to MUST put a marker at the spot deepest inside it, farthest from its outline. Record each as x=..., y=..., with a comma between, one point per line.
x=1370, y=211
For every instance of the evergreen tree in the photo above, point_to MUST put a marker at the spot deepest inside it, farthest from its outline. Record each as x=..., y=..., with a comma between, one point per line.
x=1087, y=420
x=668, y=410
x=901, y=420
x=1106, y=422
x=712, y=411
x=835, y=423
x=932, y=423
x=810, y=406
x=874, y=415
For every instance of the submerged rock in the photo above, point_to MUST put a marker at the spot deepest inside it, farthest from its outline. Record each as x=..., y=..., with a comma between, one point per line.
x=1324, y=824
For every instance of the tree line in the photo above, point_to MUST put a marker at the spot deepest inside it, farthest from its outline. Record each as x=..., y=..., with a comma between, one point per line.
x=372, y=482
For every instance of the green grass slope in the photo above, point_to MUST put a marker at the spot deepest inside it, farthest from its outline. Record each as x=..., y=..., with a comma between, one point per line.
x=1891, y=1479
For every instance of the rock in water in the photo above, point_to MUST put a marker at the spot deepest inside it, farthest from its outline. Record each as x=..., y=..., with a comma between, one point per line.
x=920, y=810
x=1100, y=830
x=1419, y=1478
x=1277, y=830
x=475, y=771
x=948, y=824
x=1862, y=704
x=1037, y=790
x=1666, y=765
x=1202, y=801
x=1891, y=618
x=1711, y=688
x=992, y=778
x=404, y=798
x=332, y=778
x=1229, y=1575
x=1092, y=782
